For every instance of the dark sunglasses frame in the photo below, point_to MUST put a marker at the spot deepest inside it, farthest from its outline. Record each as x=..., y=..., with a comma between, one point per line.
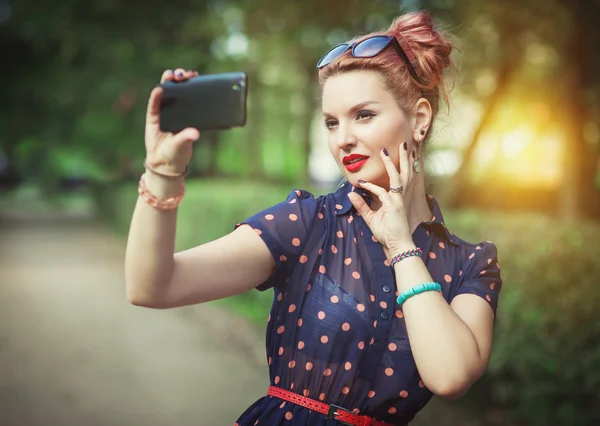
x=387, y=40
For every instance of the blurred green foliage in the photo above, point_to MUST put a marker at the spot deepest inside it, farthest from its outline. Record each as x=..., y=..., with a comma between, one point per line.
x=80, y=74
x=546, y=360
x=545, y=367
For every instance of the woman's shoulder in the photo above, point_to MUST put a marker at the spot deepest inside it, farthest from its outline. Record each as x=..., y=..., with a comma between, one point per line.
x=468, y=250
x=309, y=198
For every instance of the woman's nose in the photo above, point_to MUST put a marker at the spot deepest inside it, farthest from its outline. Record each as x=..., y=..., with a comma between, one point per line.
x=345, y=138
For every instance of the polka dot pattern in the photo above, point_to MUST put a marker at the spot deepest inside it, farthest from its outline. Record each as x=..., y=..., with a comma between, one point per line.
x=335, y=315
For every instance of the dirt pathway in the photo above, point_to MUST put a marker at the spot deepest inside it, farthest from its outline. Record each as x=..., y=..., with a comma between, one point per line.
x=73, y=351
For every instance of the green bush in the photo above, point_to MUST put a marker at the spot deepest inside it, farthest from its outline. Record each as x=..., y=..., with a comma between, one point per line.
x=545, y=367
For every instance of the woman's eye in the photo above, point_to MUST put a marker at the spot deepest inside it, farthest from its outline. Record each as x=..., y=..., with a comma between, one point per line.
x=330, y=123
x=364, y=115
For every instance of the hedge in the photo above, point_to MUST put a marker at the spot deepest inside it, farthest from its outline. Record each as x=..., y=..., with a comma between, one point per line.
x=545, y=366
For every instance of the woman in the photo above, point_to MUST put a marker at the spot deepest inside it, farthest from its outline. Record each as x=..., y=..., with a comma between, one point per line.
x=378, y=306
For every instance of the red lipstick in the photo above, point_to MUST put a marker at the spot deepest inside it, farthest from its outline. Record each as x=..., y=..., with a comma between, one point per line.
x=354, y=162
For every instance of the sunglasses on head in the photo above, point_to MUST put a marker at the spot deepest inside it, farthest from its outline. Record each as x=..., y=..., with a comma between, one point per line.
x=368, y=48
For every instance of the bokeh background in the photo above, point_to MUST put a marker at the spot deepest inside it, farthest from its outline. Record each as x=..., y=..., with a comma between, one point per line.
x=515, y=159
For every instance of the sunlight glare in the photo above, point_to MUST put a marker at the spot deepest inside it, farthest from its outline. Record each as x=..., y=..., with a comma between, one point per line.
x=514, y=142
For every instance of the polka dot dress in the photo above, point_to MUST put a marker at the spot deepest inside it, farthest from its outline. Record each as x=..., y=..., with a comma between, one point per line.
x=335, y=333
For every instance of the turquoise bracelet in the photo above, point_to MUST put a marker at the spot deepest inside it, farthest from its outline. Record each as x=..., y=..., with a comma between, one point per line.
x=418, y=289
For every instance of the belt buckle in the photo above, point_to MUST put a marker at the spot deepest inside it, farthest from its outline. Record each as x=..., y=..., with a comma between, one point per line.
x=333, y=411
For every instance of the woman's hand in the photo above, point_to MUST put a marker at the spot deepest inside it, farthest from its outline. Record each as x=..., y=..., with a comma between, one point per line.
x=389, y=224
x=167, y=152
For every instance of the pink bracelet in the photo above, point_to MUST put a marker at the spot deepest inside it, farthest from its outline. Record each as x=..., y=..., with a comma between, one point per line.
x=406, y=254
x=159, y=203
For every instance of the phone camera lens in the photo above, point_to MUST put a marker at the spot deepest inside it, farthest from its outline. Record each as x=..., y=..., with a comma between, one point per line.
x=236, y=87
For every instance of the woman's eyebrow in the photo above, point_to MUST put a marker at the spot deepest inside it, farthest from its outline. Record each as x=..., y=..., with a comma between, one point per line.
x=353, y=109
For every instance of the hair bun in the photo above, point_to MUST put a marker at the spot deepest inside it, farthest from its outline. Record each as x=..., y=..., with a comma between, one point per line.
x=425, y=46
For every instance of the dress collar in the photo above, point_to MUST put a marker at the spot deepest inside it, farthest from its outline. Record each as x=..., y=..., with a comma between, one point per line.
x=344, y=206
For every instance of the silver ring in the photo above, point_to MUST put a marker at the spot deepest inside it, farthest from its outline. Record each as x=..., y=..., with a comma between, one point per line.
x=397, y=190
x=417, y=166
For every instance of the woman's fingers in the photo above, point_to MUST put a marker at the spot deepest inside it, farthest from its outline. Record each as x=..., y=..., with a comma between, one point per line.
x=179, y=74
x=182, y=75
x=361, y=206
x=391, y=169
x=405, y=169
x=153, y=109
x=167, y=75
x=186, y=136
x=381, y=193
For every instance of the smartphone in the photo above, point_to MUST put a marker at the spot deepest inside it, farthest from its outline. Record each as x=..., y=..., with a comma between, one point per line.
x=206, y=102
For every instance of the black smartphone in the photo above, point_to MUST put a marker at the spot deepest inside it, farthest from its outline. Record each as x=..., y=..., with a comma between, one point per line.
x=206, y=102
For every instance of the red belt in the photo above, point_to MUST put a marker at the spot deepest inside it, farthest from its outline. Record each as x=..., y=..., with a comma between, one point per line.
x=335, y=412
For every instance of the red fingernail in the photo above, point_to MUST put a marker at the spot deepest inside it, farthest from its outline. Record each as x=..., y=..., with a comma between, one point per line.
x=413, y=154
x=405, y=146
x=385, y=152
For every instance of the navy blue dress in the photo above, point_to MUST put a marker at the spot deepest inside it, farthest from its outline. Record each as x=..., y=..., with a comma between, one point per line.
x=335, y=333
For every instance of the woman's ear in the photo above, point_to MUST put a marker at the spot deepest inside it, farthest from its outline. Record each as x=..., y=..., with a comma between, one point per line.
x=422, y=119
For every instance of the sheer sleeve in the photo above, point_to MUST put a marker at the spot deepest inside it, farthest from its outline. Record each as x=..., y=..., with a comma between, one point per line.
x=481, y=272
x=284, y=228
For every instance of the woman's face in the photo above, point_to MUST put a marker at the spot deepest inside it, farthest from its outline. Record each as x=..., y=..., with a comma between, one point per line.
x=363, y=118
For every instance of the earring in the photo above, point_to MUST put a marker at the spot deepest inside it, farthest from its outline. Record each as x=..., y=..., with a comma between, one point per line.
x=417, y=163
x=417, y=166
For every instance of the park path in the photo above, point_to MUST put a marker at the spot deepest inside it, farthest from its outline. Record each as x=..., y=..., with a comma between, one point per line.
x=73, y=351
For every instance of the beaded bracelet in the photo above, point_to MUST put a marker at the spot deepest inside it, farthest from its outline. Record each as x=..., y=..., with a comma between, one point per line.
x=159, y=203
x=418, y=289
x=406, y=254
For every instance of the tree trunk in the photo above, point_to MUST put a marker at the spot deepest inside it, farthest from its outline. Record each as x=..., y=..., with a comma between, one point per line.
x=451, y=191
x=579, y=197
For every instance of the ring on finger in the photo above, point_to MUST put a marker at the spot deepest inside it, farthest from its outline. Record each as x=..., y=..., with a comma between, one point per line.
x=397, y=190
